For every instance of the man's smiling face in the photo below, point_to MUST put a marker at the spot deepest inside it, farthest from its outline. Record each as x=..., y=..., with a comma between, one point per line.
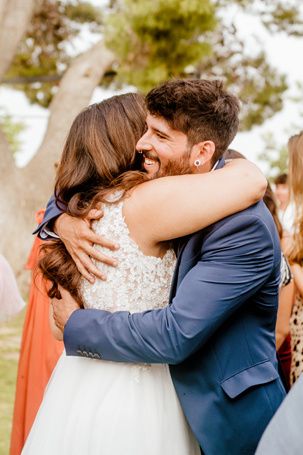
x=166, y=151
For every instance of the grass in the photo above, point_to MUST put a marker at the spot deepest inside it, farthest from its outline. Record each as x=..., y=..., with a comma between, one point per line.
x=10, y=337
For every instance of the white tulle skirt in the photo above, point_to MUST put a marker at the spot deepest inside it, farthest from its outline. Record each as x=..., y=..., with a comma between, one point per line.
x=93, y=407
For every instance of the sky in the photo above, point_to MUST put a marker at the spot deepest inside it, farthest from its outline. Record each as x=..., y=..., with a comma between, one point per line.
x=283, y=53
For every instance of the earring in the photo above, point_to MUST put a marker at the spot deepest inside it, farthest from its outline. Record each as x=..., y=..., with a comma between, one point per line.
x=197, y=163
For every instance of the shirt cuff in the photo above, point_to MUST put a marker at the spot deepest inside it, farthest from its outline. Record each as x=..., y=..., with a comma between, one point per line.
x=45, y=232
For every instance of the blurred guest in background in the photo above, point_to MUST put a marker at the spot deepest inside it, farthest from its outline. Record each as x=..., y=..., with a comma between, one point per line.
x=285, y=207
x=284, y=435
x=282, y=191
x=286, y=298
x=11, y=301
x=295, y=149
x=38, y=356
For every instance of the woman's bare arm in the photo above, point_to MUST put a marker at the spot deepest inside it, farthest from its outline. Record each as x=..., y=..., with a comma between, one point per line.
x=161, y=211
x=172, y=207
x=297, y=272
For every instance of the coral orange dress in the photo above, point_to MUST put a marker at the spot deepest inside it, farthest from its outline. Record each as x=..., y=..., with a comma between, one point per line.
x=38, y=355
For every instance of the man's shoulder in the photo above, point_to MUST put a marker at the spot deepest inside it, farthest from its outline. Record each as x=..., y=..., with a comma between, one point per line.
x=255, y=220
x=256, y=213
x=250, y=231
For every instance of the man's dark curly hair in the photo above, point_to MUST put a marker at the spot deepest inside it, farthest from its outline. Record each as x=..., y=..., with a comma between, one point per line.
x=202, y=109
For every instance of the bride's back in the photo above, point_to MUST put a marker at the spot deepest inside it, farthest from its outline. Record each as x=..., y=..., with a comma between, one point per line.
x=139, y=282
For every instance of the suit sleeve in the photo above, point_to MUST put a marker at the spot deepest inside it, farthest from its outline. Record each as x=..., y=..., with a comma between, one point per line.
x=51, y=213
x=222, y=281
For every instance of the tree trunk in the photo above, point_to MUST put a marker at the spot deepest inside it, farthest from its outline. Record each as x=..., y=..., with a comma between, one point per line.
x=28, y=189
x=15, y=16
x=10, y=195
x=74, y=93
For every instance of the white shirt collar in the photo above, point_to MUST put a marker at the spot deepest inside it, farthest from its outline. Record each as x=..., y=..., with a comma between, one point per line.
x=215, y=166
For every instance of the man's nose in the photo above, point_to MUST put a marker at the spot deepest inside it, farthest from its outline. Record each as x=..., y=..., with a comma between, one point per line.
x=143, y=143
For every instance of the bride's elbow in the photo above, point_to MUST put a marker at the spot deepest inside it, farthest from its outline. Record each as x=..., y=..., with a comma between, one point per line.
x=261, y=187
x=257, y=183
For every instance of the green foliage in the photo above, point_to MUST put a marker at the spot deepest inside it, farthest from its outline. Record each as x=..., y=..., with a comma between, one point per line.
x=276, y=16
x=284, y=18
x=43, y=52
x=258, y=85
x=261, y=97
x=83, y=13
x=12, y=130
x=275, y=156
x=157, y=40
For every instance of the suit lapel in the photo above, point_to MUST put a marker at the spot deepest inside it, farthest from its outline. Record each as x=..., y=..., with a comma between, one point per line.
x=179, y=249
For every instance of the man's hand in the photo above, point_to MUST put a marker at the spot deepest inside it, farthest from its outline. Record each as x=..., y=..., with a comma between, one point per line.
x=78, y=237
x=63, y=308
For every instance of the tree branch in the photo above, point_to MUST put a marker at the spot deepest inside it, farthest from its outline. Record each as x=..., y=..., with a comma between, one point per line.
x=15, y=16
x=32, y=79
x=24, y=80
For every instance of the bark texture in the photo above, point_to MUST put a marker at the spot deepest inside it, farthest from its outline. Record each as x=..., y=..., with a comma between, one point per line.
x=25, y=190
x=15, y=16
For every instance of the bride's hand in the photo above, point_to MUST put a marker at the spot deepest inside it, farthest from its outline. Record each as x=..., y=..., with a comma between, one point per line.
x=79, y=238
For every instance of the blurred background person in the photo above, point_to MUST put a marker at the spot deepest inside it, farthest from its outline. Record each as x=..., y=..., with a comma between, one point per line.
x=285, y=209
x=11, y=301
x=38, y=354
x=295, y=150
x=282, y=193
x=284, y=435
x=286, y=298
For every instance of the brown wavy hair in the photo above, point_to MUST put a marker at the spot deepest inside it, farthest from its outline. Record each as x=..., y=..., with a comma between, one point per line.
x=99, y=156
x=270, y=202
x=295, y=151
x=200, y=108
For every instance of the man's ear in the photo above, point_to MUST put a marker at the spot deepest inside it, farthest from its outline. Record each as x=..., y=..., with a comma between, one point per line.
x=202, y=152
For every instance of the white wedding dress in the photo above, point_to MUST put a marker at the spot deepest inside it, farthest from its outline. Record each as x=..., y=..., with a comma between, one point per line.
x=94, y=407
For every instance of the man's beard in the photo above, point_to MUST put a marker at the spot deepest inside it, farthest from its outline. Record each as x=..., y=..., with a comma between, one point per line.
x=179, y=167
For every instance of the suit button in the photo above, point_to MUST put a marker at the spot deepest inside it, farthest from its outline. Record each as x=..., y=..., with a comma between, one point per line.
x=90, y=354
x=96, y=356
x=79, y=351
x=85, y=353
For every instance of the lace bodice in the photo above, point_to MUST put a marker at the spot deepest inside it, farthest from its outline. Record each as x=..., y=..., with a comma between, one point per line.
x=139, y=282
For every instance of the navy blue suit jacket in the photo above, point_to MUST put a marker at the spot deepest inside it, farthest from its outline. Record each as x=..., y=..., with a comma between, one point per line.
x=51, y=213
x=217, y=333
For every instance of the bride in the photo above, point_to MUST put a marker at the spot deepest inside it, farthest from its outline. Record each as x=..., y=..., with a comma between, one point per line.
x=94, y=407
